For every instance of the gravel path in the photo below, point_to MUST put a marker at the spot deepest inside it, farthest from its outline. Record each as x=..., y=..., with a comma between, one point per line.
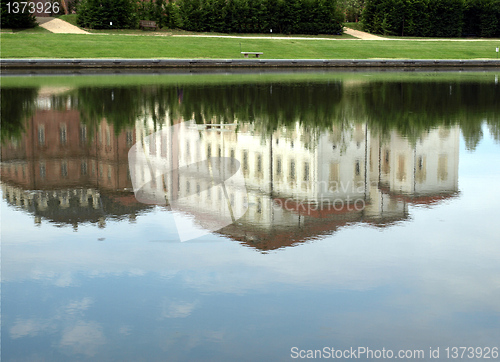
x=59, y=26
x=362, y=35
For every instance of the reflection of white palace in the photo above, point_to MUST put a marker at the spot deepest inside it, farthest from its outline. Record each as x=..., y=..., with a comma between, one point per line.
x=301, y=183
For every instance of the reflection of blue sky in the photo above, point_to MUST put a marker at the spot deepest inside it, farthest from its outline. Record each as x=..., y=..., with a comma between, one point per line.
x=434, y=280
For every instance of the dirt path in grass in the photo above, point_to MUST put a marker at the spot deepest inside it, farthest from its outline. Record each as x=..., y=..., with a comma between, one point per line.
x=59, y=26
x=362, y=35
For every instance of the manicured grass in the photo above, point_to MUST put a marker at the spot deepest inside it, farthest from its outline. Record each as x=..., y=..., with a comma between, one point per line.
x=166, y=31
x=23, y=45
x=35, y=30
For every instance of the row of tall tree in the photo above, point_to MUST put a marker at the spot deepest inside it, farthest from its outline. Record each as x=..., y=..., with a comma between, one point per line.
x=432, y=18
x=262, y=16
x=224, y=16
x=12, y=18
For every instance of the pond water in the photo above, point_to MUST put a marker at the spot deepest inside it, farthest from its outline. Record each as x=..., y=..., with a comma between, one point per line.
x=360, y=214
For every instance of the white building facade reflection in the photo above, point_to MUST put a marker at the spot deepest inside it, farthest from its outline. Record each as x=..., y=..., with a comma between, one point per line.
x=300, y=183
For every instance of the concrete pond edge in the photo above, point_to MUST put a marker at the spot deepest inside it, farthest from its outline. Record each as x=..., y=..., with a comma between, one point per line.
x=241, y=63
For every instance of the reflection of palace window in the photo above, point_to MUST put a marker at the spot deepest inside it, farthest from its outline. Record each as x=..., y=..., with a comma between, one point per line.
x=83, y=133
x=130, y=138
x=84, y=168
x=278, y=167
x=292, y=170
x=245, y=162
x=421, y=173
x=401, y=175
x=259, y=163
x=43, y=170
x=63, y=134
x=386, y=167
x=64, y=169
x=443, y=167
x=306, y=171
x=41, y=135
x=357, y=171
x=209, y=151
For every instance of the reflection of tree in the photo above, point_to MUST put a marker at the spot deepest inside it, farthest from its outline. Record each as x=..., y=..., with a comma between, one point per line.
x=120, y=106
x=410, y=107
x=266, y=105
x=17, y=104
x=472, y=133
x=414, y=107
x=494, y=127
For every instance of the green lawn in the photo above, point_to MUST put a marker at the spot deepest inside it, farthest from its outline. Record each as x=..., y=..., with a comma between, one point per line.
x=24, y=45
x=35, y=30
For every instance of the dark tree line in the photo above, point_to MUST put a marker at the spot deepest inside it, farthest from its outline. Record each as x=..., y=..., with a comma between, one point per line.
x=410, y=107
x=433, y=18
x=13, y=18
x=260, y=16
x=224, y=16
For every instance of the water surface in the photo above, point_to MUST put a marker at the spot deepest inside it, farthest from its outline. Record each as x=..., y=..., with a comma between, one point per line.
x=369, y=216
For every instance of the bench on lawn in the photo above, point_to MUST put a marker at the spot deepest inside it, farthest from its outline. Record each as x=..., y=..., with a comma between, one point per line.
x=257, y=54
x=147, y=24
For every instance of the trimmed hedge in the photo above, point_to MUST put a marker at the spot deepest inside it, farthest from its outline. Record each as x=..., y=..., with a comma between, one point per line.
x=433, y=18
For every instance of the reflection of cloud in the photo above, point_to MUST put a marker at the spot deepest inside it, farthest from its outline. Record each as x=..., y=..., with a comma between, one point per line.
x=64, y=280
x=177, y=309
x=27, y=328
x=78, y=306
x=178, y=344
x=84, y=337
x=78, y=336
x=125, y=330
